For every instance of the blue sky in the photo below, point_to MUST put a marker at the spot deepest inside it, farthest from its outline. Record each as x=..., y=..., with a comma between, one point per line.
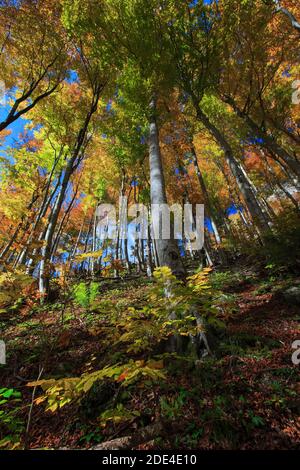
x=194, y=2
x=16, y=127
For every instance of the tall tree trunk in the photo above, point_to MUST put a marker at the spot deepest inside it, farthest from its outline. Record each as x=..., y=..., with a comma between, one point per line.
x=167, y=250
x=244, y=184
x=71, y=166
x=277, y=182
x=41, y=213
x=86, y=242
x=75, y=247
x=149, y=260
x=267, y=142
x=208, y=206
x=48, y=240
x=242, y=209
x=94, y=241
x=64, y=219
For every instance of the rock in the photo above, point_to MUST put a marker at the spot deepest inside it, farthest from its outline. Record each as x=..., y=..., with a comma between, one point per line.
x=292, y=295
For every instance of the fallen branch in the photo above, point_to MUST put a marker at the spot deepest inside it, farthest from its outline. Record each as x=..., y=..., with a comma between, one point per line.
x=129, y=442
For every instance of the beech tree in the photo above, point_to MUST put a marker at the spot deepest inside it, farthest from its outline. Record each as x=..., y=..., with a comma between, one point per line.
x=164, y=102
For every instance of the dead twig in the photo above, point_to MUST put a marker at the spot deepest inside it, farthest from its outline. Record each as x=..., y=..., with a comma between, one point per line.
x=41, y=369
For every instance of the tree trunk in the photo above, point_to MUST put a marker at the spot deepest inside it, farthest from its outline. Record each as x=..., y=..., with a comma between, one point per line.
x=94, y=241
x=267, y=142
x=25, y=217
x=74, y=251
x=149, y=260
x=41, y=213
x=276, y=182
x=71, y=166
x=62, y=222
x=288, y=14
x=244, y=184
x=48, y=240
x=86, y=242
x=208, y=206
x=167, y=250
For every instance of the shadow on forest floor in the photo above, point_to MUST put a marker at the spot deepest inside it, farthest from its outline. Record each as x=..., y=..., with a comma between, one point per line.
x=247, y=397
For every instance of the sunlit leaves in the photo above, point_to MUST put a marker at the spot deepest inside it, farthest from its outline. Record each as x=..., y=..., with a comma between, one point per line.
x=60, y=392
x=13, y=286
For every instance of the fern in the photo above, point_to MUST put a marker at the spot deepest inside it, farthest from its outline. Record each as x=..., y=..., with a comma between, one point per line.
x=85, y=295
x=140, y=330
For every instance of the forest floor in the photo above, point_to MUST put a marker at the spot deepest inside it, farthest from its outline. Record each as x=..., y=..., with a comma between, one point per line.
x=247, y=397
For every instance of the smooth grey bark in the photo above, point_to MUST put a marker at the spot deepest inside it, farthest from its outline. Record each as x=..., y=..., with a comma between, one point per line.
x=40, y=216
x=43, y=207
x=276, y=182
x=186, y=240
x=208, y=206
x=94, y=241
x=71, y=166
x=74, y=251
x=122, y=194
x=167, y=250
x=64, y=219
x=138, y=244
x=279, y=9
x=87, y=241
x=155, y=256
x=149, y=260
x=126, y=253
x=243, y=182
x=267, y=141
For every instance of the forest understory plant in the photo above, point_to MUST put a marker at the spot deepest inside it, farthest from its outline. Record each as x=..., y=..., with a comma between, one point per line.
x=120, y=122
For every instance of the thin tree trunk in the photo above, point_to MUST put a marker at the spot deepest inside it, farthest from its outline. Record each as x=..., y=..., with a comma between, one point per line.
x=149, y=260
x=208, y=206
x=13, y=238
x=283, y=129
x=94, y=241
x=61, y=224
x=278, y=183
x=72, y=164
x=41, y=213
x=87, y=240
x=74, y=251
